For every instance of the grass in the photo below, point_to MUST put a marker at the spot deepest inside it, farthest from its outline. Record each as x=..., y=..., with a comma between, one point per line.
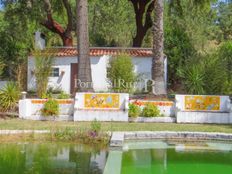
x=17, y=124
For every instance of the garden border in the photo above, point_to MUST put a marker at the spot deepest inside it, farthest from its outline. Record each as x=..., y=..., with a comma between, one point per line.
x=118, y=138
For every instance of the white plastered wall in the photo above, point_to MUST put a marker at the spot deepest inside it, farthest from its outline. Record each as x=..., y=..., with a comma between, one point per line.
x=99, y=72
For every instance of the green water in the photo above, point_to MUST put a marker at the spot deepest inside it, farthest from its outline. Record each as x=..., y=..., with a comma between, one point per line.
x=174, y=159
x=51, y=159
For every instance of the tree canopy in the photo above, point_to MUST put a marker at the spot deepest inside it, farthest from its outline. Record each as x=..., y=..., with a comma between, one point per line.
x=193, y=29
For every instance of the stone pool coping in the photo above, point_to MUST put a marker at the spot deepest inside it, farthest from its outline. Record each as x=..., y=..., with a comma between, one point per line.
x=11, y=132
x=118, y=138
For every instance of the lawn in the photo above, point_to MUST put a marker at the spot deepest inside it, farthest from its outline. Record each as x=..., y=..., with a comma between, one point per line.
x=13, y=124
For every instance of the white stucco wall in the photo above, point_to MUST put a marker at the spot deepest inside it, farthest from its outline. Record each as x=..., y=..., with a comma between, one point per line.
x=99, y=72
x=63, y=81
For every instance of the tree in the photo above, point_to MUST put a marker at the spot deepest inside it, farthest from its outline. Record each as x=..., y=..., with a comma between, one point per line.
x=121, y=74
x=43, y=69
x=15, y=38
x=84, y=68
x=143, y=14
x=112, y=23
x=158, y=46
x=225, y=20
x=43, y=12
x=142, y=8
x=55, y=27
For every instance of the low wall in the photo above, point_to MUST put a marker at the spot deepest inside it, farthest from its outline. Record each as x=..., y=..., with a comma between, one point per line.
x=204, y=103
x=153, y=120
x=203, y=109
x=30, y=109
x=204, y=117
x=101, y=106
x=167, y=108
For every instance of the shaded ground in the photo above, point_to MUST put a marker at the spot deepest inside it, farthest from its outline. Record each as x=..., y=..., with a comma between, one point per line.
x=14, y=124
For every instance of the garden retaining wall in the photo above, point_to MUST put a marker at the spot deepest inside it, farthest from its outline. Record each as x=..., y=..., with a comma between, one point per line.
x=203, y=109
x=114, y=107
x=30, y=109
x=101, y=106
x=167, y=108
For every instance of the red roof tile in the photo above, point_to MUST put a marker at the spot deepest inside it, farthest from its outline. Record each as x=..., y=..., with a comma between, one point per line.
x=69, y=52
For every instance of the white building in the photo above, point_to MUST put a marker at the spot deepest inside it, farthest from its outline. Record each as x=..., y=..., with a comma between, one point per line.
x=66, y=63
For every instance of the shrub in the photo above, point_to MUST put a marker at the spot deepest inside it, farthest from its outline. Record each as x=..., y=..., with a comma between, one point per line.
x=9, y=97
x=63, y=95
x=121, y=74
x=225, y=57
x=46, y=95
x=151, y=110
x=134, y=110
x=81, y=136
x=51, y=108
x=43, y=68
x=194, y=79
x=179, y=48
x=207, y=75
x=95, y=126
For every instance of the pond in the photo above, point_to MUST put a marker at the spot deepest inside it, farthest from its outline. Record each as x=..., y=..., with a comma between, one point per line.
x=176, y=158
x=51, y=158
x=136, y=157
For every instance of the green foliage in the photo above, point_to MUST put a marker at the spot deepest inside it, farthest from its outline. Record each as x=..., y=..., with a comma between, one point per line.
x=64, y=135
x=46, y=95
x=82, y=136
x=224, y=20
x=121, y=74
x=209, y=74
x=225, y=55
x=194, y=77
x=43, y=68
x=111, y=23
x=50, y=108
x=134, y=110
x=2, y=65
x=225, y=58
x=9, y=97
x=215, y=74
x=179, y=50
x=16, y=35
x=151, y=110
x=96, y=126
x=63, y=95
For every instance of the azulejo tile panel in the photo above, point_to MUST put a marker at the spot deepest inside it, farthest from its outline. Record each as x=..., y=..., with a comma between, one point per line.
x=102, y=101
x=202, y=103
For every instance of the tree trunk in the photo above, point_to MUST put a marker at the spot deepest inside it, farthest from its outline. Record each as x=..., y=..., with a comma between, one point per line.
x=140, y=34
x=159, y=87
x=84, y=82
x=55, y=27
x=143, y=10
x=67, y=41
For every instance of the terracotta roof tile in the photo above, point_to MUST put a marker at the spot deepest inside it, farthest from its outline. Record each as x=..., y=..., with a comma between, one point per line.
x=69, y=52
